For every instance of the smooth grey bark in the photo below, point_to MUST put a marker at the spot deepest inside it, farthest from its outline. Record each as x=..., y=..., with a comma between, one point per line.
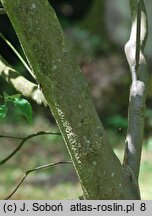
x=134, y=50
x=66, y=91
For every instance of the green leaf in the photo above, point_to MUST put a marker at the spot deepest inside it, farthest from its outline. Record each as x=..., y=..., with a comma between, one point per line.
x=24, y=106
x=3, y=111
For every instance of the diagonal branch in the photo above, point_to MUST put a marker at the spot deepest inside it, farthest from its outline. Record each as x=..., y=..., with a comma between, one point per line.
x=134, y=50
x=34, y=170
x=23, y=140
x=17, y=54
x=21, y=84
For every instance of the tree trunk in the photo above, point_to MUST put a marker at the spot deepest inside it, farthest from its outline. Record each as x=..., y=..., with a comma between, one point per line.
x=66, y=91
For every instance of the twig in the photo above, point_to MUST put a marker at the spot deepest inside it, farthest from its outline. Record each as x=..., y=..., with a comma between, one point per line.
x=11, y=137
x=138, y=33
x=34, y=170
x=17, y=54
x=22, y=143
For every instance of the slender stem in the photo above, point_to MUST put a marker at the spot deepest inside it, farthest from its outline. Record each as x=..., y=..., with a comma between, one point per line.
x=134, y=49
x=34, y=170
x=138, y=33
x=22, y=143
x=11, y=137
x=17, y=54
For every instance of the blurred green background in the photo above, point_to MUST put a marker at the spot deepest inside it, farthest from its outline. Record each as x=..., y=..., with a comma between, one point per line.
x=98, y=31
